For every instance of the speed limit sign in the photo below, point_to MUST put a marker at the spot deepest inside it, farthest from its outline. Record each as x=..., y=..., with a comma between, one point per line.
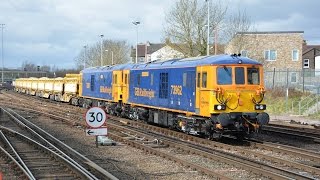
x=95, y=117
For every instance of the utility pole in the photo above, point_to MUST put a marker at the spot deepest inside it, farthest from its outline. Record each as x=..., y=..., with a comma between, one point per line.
x=85, y=56
x=208, y=27
x=136, y=23
x=215, y=40
x=2, y=26
x=101, y=50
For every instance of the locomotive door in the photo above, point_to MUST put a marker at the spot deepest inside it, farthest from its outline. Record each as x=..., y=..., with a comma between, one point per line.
x=203, y=92
x=125, y=86
x=116, y=86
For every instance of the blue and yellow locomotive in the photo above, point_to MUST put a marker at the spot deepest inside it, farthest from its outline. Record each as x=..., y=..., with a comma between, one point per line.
x=210, y=95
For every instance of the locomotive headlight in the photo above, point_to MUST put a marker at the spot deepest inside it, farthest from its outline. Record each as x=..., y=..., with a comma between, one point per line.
x=220, y=107
x=260, y=107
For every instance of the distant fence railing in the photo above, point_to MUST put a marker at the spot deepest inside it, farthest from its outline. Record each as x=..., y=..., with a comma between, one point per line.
x=304, y=80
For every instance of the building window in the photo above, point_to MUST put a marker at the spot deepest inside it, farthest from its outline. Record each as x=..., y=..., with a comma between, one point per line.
x=295, y=55
x=293, y=78
x=306, y=63
x=270, y=55
x=164, y=87
x=244, y=53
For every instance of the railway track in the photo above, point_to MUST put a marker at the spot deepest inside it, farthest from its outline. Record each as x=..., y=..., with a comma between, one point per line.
x=309, y=170
x=39, y=153
x=303, y=133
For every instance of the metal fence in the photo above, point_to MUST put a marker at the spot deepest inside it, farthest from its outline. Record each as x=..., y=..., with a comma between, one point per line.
x=304, y=80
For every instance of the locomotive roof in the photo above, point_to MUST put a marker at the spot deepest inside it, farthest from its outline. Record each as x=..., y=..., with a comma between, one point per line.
x=185, y=62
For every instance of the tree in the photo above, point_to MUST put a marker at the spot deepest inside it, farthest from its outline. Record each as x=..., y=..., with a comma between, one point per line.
x=28, y=66
x=91, y=55
x=186, y=30
x=237, y=23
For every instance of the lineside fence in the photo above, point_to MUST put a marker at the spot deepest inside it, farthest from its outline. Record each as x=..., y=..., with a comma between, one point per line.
x=305, y=80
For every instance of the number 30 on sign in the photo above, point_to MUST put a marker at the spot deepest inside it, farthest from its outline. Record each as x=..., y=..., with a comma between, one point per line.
x=95, y=117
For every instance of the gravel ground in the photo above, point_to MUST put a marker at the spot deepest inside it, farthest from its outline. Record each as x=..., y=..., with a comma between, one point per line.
x=291, y=141
x=121, y=160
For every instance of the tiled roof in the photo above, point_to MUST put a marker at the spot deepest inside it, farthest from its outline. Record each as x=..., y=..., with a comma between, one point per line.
x=308, y=48
x=142, y=48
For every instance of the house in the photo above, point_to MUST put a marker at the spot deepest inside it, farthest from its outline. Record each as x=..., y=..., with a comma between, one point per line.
x=311, y=56
x=275, y=49
x=154, y=51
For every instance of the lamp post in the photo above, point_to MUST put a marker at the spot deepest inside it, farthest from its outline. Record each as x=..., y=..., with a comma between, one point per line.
x=85, y=56
x=208, y=27
x=111, y=56
x=101, y=49
x=136, y=23
x=2, y=26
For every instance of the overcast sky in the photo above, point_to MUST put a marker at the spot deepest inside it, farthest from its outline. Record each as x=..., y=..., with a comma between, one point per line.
x=53, y=32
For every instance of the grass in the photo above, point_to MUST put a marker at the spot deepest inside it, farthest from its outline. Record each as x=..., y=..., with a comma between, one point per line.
x=278, y=103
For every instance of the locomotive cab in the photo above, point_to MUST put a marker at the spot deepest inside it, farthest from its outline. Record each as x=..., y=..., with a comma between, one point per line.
x=233, y=96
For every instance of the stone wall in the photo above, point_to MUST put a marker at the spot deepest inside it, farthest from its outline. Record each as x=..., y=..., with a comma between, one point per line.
x=257, y=43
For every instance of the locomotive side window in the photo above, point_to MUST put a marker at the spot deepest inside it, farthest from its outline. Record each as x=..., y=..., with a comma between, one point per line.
x=126, y=79
x=253, y=76
x=204, y=79
x=164, y=87
x=151, y=79
x=115, y=79
x=190, y=80
x=92, y=83
x=239, y=75
x=138, y=79
x=198, y=80
x=224, y=75
x=184, y=78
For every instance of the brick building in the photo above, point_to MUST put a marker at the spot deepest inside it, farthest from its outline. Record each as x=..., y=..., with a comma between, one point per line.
x=275, y=49
x=311, y=56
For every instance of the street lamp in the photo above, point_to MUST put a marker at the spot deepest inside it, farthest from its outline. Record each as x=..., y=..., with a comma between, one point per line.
x=85, y=56
x=2, y=26
x=111, y=56
x=208, y=26
x=136, y=23
x=101, y=49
